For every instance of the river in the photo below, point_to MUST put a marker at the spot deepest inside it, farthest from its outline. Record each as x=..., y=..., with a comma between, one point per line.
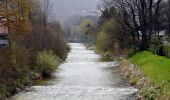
x=82, y=77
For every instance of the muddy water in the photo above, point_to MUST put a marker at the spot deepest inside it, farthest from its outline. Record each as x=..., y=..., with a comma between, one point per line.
x=83, y=77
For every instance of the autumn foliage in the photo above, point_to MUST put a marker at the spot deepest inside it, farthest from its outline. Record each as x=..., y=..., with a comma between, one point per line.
x=29, y=33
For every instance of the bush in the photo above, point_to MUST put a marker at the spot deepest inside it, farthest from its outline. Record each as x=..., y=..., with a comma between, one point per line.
x=160, y=49
x=47, y=62
x=13, y=61
x=14, y=70
x=102, y=41
x=110, y=37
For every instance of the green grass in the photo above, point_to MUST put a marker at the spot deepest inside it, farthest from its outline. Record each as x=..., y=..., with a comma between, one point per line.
x=155, y=67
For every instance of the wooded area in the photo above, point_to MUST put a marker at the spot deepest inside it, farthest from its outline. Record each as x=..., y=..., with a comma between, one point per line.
x=138, y=32
x=32, y=41
x=143, y=24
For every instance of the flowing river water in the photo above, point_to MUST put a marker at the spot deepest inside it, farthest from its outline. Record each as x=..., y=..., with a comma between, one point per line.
x=82, y=77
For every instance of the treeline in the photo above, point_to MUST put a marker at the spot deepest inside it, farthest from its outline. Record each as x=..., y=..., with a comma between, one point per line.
x=80, y=28
x=138, y=24
x=36, y=46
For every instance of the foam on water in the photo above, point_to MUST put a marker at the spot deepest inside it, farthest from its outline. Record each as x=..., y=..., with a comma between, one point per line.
x=83, y=77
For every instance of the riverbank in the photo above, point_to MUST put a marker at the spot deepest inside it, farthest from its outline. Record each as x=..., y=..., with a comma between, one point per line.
x=146, y=71
x=83, y=78
x=108, y=55
x=19, y=80
x=150, y=73
x=147, y=88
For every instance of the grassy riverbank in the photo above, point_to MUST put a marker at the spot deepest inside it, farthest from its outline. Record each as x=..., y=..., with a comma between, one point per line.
x=155, y=68
x=151, y=73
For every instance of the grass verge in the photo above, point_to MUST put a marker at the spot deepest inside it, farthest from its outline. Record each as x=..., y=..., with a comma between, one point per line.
x=156, y=68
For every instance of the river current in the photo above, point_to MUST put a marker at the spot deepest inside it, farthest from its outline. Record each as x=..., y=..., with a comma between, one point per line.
x=82, y=77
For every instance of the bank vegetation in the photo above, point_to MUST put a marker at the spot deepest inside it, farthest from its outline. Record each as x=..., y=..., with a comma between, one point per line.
x=35, y=47
x=138, y=30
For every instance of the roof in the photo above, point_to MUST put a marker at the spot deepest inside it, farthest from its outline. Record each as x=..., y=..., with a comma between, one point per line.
x=162, y=33
x=3, y=29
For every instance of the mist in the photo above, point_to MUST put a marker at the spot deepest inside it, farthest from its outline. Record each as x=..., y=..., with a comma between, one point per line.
x=63, y=9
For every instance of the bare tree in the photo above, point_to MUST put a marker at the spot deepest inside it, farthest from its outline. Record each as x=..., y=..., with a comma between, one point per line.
x=139, y=17
x=46, y=7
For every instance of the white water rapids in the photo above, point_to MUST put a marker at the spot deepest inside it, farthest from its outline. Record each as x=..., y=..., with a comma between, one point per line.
x=83, y=77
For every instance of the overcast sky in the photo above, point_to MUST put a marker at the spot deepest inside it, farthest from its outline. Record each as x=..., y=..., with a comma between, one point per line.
x=62, y=9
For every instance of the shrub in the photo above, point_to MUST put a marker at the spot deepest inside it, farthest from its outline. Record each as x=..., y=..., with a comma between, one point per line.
x=14, y=70
x=102, y=41
x=160, y=49
x=110, y=37
x=13, y=61
x=47, y=62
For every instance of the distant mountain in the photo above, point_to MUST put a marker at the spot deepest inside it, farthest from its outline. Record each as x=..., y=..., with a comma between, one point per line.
x=76, y=20
x=72, y=29
x=62, y=10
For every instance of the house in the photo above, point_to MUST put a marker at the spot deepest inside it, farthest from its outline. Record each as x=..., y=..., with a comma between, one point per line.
x=4, y=42
x=162, y=36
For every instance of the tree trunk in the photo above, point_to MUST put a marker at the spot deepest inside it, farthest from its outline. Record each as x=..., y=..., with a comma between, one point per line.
x=168, y=17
